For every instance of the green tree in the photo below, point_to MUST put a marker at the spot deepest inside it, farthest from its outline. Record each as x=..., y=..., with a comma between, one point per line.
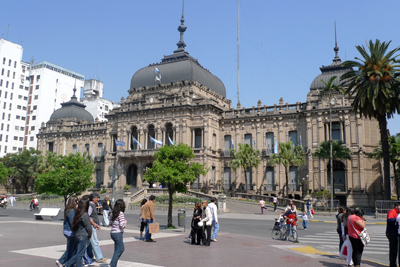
x=4, y=173
x=394, y=154
x=24, y=165
x=374, y=85
x=245, y=157
x=65, y=175
x=331, y=87
x=322, y=196
x=339, y=150
x=288, y=155
x=173, y=167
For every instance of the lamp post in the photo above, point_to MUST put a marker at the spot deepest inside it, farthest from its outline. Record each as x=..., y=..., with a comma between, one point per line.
x=112, y=171
x=332, y=102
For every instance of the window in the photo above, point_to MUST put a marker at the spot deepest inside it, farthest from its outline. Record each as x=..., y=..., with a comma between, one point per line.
x=4, y=105
x=6, y=84
x=19, y=107
x=21, y=139
x=269, y=140
x=14, y=148
x=32, y=138
x=106, y=107
x=50, y=146
x=293, y=179
x=15, y=64
x=9, y=117
x=5, y=94
x=197, y=138
x=37, y=87
x=5, y=149
x=12, y=85
x=36, y=97
x=4, y=60
x=74, y=149
x=25, y=98
x=336, y=131
x=23, y=108
x=1, y=82
x=9, y=62
x=15, y=138
x=19, y=96
x=34, y=107
x=32, y=128
x=2, y=71
x=4, y=116
x=21, y=87
x=10, y=107
x=33, y=118
x=293, y=137
x=2, y=127
x=228, y=143
x=248, y=139
x=37, y=78
x=0, y=93
x=8, y=127
x=100, y=149
x=1, y=137
x=18, y=117
x=23, y=118
x=87, y=146
x=22, y=128
x=8, y=73
x=13, y=74
x=11, y=96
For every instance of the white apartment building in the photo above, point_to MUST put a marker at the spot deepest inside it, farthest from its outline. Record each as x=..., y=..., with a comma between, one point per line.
x=94, y=101
x=26, y=103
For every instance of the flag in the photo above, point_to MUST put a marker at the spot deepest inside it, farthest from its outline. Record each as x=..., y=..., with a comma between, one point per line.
x=158, y=74
x=119, y=143
x=233, y=146
x=301, y=143
x=136, y=141
x=93, y=153
x=276, y=147
x=158, y=142
x=105, y=150
x=254, y=143
x=172, y=143
x=79, y=150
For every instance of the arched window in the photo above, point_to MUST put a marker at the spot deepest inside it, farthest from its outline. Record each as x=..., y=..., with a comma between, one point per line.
x=152, y=133
x=248, y=139
x=169, y=134
x=135, y=136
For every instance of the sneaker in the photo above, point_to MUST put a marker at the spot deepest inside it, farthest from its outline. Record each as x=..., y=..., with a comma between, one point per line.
x=58, y=263
x=150, y=240
x=213, y=239
x=102, y=260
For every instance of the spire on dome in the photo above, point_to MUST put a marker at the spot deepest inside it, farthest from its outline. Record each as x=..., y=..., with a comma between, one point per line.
x=336, y=59
x=182, y=28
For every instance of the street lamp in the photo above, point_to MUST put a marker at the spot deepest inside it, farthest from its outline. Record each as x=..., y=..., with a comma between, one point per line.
x=332, y=102
x=112, y=171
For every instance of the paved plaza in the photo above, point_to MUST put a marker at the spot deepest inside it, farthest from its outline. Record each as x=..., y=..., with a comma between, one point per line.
x=28, y=242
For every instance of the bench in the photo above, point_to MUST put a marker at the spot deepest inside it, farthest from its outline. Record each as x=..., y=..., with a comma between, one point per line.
x=49, y=212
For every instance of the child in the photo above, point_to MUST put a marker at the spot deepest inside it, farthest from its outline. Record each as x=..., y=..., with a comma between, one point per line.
x=304, y=217
x=118, y=224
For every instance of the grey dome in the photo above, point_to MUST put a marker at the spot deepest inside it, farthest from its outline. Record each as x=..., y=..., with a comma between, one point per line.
x=335, y=69
x=178, y=67
x=72, y=109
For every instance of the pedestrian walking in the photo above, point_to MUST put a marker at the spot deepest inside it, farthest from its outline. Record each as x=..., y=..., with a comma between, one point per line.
x=392, y=234
x=141, y=220
x=148, y=216
x=196, y=230
x=355, y=224
x=214, y=216
x=207, y=221
x=262, y=204
x=276, y=202
x=304, y=218
x=69, y=214
x=94, y=220
x=82, y=229
x=345, y=235
x=118, y=224
x=106, y=204
x=339, y=226
x=309, y=213
x=12, y=199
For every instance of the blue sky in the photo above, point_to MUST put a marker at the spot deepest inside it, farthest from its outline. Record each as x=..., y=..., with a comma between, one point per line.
x=282, y=43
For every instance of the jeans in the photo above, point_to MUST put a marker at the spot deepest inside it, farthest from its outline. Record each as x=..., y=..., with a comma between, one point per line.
x=216, y=228
x=147, y=236
x=106, y=222
x=82, y=243
x=358, y=249
x=393, y=249
x=118, y=247
x=95, y=245
x=71, y=246
x=341, y=241
x=262, y=209
x=304, y=224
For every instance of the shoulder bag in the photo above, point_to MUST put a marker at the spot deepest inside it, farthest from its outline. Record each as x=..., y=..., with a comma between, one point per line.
x=364, y=236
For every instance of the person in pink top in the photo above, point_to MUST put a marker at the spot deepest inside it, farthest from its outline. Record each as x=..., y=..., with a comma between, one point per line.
x=118, y=224
x=355, y=224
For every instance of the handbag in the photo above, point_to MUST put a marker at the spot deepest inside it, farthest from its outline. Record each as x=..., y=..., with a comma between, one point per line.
x=363, y=235
x=200, y=223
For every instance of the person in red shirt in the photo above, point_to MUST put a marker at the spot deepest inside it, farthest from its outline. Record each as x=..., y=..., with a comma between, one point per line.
x=355, y=224
x=392, y=233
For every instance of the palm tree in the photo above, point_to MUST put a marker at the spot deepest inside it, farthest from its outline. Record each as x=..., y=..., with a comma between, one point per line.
x=375, y=88
x=247, y=158
x=394, y=154
x=330, y=87
x=339, y=152
x=288, y=155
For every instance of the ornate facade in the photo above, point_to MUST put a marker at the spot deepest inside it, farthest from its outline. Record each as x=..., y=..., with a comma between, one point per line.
x=188, y=104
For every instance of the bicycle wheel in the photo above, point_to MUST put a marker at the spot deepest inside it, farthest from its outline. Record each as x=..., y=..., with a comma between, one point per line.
x=276, y=234
x=293, y=236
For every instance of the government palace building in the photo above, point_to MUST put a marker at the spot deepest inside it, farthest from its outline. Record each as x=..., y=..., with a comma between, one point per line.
x=188, y=105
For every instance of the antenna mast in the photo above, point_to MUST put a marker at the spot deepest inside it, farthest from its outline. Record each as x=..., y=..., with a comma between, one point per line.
x=238, y=46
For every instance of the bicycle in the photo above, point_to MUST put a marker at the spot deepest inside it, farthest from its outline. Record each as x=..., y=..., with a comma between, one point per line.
x=284, y=232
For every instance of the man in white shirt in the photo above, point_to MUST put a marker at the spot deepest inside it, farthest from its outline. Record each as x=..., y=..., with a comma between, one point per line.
x=214, y=213
x=262, y=203
x=275, y=201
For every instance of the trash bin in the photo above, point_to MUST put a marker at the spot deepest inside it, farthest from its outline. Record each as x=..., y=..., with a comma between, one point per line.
x=182, y=218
